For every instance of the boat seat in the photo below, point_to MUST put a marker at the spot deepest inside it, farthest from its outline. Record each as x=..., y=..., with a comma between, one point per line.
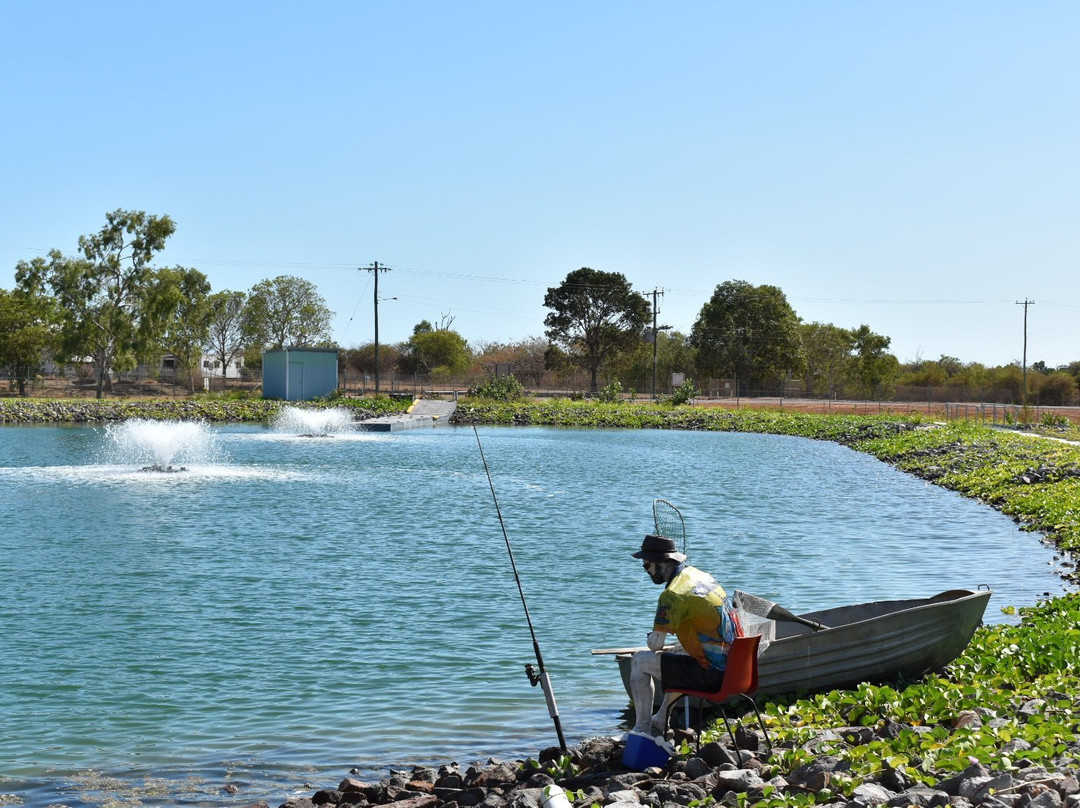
x=740, y=681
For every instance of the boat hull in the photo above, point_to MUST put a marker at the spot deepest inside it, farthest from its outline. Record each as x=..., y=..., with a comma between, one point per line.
x=882, y=641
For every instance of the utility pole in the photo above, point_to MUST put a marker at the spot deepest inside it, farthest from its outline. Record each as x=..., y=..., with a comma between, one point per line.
x=1025, y=304
x=656, y=293
x=376, y=269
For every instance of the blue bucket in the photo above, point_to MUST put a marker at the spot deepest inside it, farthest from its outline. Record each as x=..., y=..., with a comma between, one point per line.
x=643, y=751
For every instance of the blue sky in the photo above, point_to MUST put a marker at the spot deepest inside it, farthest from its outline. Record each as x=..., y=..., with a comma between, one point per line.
x=911, y=166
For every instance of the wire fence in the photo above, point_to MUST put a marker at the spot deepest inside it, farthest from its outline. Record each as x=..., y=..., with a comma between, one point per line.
x=998, y=406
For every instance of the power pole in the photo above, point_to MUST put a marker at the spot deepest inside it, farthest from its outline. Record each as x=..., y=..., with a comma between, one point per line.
x=1025, y=304
x=656, y=293
x=376, y=269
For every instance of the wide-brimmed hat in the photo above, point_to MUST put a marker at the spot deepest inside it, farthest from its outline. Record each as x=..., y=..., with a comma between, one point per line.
x=659, y=548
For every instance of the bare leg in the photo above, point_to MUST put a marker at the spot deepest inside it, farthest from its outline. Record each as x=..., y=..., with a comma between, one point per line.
x=644, y=671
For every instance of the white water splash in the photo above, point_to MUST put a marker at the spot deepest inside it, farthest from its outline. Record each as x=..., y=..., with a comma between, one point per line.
x=298, y=421
x=164, y=443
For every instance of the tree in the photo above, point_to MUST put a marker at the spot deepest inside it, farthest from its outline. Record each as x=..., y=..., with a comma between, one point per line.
x=27, y=329
x=227, y=329
x=287, y=312
x=525, y=357
x=875, y=369
x=178, y=309
x=750, y=332
x=439, y=352
x=594, y=316
x=826, y=357
x=103, y=292
x=1055, y=388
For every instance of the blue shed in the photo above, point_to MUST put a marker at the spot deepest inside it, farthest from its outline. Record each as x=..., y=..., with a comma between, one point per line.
x=300, y=374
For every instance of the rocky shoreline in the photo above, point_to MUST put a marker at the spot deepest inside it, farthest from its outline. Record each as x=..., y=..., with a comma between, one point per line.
x=593, y=774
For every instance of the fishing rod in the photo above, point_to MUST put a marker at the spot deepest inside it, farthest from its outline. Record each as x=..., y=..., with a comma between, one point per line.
x=535, y=676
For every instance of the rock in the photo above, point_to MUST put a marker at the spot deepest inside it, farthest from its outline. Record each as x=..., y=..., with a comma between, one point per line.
x=1038, y=796
x=696, y=768
x=951, y=785
x=868, y=795
x=989, y=787
x=816, y=775
x=627, y=795
x=1015, y=745
x=469, y=797
x=856, y=736
x=967, y=719
x=922, y=796
x=715, y=754
x=895, y=781
x=740, y=781
x=1031, y=708
x=525, y=798
x=627, y=780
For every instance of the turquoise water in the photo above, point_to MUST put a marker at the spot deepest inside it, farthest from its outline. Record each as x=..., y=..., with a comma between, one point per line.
x=289, y=608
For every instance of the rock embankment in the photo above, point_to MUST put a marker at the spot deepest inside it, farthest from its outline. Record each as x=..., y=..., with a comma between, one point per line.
x=593, y=774
x=34, y=411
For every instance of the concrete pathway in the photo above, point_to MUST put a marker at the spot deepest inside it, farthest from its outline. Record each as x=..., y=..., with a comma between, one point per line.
x=423, y=413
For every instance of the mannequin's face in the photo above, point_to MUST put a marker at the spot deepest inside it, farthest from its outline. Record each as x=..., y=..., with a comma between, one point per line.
x=658, y=571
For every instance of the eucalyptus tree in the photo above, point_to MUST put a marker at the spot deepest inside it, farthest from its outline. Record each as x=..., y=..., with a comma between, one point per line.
x=103, y=291
x=178, y=316
x=594, y=317
x=287, y=312
x=227, y=330
x=746, y=331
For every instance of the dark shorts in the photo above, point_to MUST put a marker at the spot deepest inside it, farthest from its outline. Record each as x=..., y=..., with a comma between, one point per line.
x=682, y=672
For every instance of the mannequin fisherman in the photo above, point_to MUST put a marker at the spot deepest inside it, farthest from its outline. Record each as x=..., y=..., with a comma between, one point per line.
x=695, y=608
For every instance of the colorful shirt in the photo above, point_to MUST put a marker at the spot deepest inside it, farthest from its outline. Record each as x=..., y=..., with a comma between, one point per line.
x=696, y=609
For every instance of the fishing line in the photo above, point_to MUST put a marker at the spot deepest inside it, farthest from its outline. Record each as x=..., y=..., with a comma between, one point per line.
x=535, y=677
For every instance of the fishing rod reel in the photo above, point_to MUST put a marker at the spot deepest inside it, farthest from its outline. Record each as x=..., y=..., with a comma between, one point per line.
x=531, y=672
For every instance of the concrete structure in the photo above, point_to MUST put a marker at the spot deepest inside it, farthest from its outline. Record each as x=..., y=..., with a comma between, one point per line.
x=423, y=413
x=300, y=374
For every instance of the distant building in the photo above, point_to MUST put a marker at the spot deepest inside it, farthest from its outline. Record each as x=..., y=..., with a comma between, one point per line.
x=210, y=367
x=300, y=374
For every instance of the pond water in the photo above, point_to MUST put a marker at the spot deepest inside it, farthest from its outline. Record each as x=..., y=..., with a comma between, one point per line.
x=287, y=608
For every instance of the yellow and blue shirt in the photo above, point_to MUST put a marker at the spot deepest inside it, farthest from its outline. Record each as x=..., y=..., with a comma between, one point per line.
x=695, y=608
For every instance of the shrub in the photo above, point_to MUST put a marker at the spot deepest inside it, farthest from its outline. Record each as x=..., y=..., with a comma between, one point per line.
x=499, y=388
x=683, y=393
x=611, y=393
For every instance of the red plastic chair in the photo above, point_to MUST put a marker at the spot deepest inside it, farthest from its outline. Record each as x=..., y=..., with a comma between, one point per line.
x=740, y=680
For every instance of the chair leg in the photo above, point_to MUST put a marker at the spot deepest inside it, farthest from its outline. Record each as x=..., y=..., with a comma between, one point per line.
x=761, y=722
x=734, y=745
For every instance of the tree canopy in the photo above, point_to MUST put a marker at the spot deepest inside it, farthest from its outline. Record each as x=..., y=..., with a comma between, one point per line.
x=27, y=329
x=287, y=312
x=104, y=294
x=440, y=352
x=594, y=316
x=749, y=332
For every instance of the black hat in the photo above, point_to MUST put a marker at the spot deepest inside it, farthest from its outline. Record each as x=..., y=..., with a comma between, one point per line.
x=659, y=548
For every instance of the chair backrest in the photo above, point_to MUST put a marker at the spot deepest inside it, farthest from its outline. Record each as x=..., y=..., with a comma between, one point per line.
x=741, y=674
